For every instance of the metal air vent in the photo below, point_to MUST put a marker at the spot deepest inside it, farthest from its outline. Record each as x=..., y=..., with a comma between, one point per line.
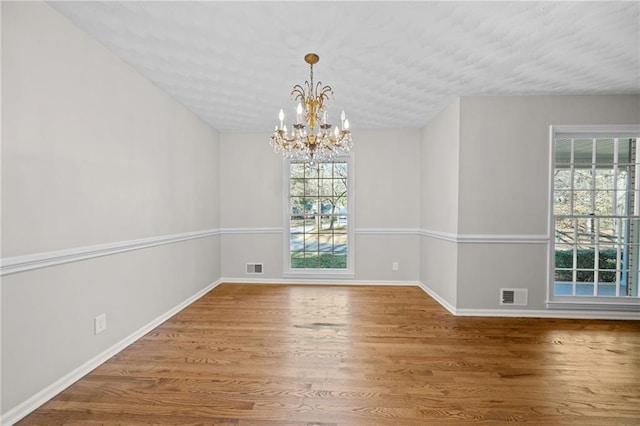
x=514, y=296
x=254, y=268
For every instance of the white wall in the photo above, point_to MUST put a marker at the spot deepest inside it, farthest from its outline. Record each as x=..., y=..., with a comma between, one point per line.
x=251, y=205
x=387, y=211
x=93, y=154
x=440, y=157
x=387, y=205
x=503, y=213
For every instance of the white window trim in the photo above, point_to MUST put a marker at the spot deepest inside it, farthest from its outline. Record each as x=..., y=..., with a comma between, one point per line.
x=586, y=303
x=348, y=273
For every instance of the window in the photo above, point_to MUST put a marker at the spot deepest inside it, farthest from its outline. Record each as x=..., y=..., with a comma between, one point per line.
x=319, y=226
x=596, y=222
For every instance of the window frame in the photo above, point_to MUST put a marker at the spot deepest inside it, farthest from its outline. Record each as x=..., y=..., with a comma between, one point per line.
x=594, y=303
x=321, y=273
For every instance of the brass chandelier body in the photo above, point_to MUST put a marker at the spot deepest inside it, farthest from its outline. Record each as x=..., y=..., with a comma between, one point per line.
x=312, y=139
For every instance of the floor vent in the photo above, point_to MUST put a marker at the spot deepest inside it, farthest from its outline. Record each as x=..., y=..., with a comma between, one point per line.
x=513, y=296
x=254, y=268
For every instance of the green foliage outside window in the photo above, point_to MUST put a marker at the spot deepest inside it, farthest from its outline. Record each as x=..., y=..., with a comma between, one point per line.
x=315, y=261
x=585, y=260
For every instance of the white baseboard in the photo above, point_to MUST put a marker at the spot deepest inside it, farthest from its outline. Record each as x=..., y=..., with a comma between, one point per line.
x=531, y=313
x=312, y=281
x=449, y=307
x=551, y=313
x=32, y=403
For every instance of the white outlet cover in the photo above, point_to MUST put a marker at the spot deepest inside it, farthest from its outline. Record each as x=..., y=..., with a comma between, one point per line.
x=100, y=323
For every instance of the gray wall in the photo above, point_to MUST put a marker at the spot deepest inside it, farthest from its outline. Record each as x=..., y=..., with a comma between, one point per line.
x=504, y=188
x=387, y=205
x=93, y=154
x=440, y=157
x=485, y=186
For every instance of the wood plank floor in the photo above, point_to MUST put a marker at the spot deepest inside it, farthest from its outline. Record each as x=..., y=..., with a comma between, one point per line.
x=281, y=355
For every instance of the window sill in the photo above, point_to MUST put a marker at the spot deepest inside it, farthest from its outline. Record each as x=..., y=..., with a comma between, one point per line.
x=631, y=304
x=325, y=274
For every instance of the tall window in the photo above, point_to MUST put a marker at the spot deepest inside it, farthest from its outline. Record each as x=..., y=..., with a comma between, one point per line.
x=319, y=217
x=595, y=212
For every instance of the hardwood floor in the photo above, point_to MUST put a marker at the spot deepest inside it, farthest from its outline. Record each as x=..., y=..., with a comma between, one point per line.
x=280, y=355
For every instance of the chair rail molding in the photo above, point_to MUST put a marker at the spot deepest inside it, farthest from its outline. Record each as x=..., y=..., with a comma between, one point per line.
x=16, y=264
x=486, y=238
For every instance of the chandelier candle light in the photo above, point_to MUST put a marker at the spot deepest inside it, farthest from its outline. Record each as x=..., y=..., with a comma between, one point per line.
x=312, y=139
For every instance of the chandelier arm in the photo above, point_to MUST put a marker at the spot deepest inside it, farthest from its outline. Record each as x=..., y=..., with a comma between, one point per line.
x=325, y=93
x=324, y=89
x=280, y=136
x=298, y=93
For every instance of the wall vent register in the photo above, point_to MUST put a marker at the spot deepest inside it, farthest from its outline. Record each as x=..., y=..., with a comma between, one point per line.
x=254, y=268
x=513, y=296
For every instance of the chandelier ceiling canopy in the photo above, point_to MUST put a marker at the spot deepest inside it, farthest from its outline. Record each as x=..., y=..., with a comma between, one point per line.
x=312, y=138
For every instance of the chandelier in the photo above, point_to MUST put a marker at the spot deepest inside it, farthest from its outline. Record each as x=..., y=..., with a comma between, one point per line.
x=312, y=139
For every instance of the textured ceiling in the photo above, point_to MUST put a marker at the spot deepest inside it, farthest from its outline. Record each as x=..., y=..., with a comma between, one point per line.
x=391, y=64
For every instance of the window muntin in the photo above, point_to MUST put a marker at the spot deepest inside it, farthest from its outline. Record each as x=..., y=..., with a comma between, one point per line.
x=319, y=217
x=596, y=222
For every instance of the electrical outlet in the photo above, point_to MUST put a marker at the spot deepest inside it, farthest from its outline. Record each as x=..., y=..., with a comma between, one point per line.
x=100, y=323
x=395, y=266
